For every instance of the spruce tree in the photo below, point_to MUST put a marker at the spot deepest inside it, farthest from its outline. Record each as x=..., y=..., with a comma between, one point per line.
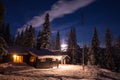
x=108, y=53
x=46, y=33
x=95, y=49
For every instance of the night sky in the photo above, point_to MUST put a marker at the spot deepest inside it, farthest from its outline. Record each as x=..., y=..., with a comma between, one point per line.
x=65, y=14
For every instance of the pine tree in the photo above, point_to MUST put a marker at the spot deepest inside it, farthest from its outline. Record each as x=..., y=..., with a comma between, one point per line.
x=72, y=46
x=95, y=49
x=46, y=33
x=108, y=54
x=57, y=43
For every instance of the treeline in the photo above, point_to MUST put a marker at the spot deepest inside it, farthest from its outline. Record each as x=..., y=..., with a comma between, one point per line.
x=105, y=57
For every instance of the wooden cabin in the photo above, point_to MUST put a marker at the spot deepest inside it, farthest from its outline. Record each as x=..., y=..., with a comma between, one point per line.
x=38, y=58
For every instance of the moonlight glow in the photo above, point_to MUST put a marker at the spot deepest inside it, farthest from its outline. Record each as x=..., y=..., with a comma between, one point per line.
x=64, y=47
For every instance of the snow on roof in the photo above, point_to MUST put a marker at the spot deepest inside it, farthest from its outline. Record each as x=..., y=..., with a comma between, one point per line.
x=41, y=52
x=59, y=57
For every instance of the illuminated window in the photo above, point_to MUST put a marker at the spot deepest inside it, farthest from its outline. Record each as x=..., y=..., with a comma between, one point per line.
x=32, y=59
x=17, y=59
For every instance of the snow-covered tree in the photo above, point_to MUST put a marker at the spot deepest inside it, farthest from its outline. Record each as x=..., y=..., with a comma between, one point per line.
x=45, y=34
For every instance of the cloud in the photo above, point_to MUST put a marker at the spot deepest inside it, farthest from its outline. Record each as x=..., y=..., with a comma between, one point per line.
x=59, y=9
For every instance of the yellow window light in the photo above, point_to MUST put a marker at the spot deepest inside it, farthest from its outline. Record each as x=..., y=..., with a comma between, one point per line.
x=14, y=56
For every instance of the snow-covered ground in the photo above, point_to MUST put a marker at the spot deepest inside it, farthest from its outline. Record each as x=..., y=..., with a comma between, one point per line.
x=10, y=71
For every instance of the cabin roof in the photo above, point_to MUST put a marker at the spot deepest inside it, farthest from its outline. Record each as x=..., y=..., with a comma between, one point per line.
x=17, y=49
x=41, y=52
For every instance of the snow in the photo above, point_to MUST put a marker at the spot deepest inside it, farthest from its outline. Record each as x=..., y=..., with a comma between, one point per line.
x=12, y=71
